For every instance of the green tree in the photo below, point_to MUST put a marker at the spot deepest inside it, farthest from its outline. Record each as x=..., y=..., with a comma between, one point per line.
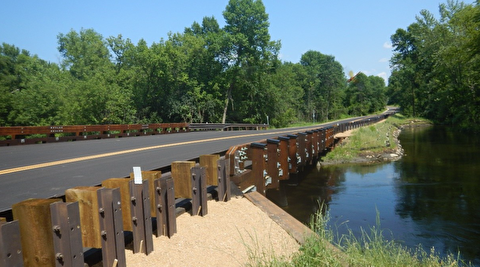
x=249, y=55
x=92, y=95
x=323, y=86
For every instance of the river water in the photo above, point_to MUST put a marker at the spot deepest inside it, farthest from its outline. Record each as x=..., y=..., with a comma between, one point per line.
x=430, y=197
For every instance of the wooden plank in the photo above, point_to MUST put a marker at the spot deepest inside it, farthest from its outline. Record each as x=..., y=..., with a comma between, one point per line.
x=123, y=184
x=293, y=227
x=35, y=224
x=210, y=164
x=182, y=178
x=89, y=219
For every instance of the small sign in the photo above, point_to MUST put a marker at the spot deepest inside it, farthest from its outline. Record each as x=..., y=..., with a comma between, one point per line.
x=137, y=175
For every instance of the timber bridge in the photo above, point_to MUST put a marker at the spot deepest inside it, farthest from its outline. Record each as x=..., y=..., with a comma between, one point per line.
x=58, y=211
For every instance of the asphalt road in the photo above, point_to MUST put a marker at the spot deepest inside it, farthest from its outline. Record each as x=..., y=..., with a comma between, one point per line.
x=47, y=170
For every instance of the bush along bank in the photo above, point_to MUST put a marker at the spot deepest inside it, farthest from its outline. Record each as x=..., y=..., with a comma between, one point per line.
x=374, y=143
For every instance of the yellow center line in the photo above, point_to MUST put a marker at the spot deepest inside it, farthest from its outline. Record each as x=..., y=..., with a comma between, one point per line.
x=59, y=162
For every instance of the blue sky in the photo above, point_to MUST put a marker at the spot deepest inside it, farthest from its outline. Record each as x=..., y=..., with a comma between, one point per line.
x=357, y=33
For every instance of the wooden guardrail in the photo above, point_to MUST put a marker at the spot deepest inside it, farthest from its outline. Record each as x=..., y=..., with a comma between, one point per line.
x=16, y=135
x=51, y=232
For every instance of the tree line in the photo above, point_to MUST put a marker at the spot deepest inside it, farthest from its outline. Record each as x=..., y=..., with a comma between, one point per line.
x=436, y=66
x=204, y=74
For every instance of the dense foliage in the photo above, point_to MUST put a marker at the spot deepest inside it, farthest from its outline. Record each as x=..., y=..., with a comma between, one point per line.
x=436, y=65
x=204, y=74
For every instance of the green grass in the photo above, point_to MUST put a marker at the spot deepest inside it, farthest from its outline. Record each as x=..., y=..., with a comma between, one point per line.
x=371, y=249
x=371, y=139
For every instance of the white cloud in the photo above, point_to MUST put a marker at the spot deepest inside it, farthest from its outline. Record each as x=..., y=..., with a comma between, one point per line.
x=383, y=75
x=383, y=60
x=387, y=45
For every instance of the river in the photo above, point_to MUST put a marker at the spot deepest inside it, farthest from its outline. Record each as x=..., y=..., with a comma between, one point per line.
x=430, y=197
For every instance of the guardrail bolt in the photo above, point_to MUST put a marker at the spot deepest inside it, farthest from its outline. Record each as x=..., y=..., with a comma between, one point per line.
x=133, y=199
x=159, y=207
x=59, y=256
x=56, y=228
x=104, y=234
x=102, y=211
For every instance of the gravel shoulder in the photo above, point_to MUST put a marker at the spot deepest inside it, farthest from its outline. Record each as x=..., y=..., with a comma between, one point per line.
x=234, y=233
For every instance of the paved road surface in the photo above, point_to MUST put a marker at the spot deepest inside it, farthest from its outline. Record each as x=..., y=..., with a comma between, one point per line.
x=47, y=170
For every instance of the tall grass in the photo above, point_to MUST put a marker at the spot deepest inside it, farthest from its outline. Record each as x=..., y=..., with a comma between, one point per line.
x=370, y=249
x=370, y=140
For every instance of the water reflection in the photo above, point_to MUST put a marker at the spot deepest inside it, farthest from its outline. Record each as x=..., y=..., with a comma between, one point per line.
x=430, y=197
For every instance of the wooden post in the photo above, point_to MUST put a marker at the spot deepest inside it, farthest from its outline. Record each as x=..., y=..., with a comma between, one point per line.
x=89, y=219
x=182, y=178
x=67, y=236
x=11, y=254
x=123, y=184
x=35, y=225
x=209, y=162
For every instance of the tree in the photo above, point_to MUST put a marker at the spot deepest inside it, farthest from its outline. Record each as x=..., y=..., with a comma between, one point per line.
x=436, y=64
x=324, y=85
x=92, y=95
x=249, y=55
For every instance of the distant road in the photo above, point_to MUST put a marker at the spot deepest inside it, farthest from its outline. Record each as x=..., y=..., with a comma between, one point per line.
x=47, y=170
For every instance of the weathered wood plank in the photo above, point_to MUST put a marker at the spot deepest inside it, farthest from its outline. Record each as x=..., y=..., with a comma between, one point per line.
x=123, y=184
x=210, y=164
x=182, y=178
x=35, y=224
x=89, y=218
x=295, y=228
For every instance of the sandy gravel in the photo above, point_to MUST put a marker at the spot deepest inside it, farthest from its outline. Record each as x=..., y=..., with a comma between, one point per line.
x=232, y=234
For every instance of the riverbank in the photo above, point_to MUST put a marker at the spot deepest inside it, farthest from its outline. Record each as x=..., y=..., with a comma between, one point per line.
x=372, y=144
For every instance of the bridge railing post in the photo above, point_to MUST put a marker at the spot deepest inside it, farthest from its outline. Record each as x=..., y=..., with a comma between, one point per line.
x=188, y=187
x=223, y=176
x=292, y=154
x=301, y=150
x=11, y=254
x=283, y=173
x=141, y=217
x=199, y=190
x=273, y=164
x=165, y=203
x=259, y=168
x=67, y=234
x=111, y=227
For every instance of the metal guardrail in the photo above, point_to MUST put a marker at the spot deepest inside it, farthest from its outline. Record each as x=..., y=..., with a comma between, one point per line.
x=17, y=135
x=226, y=126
